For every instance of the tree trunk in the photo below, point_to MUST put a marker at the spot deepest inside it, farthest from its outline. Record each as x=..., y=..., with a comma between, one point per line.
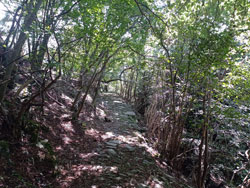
x=13, y=55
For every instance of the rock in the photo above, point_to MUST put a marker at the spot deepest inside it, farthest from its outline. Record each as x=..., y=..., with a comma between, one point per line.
x=118, y=178
x=116, y=141
x=126, y=132
x=111, y=152
x=113, y=143
x=142, y=129
x=129, y=148
x=111, y=146
x=102, y=179
x=98, y=150
x=107, y=119
x=138, y=128
x=130, y=113
x=142, y=185
x=118, y=102
x=145, y=162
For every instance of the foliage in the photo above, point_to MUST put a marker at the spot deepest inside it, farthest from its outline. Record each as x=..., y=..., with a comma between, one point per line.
x=183, y=64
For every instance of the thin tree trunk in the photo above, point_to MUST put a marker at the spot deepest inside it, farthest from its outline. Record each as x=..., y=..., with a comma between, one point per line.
x=13, y=55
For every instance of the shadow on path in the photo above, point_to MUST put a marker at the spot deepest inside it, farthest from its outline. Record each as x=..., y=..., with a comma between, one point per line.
x=110, y=154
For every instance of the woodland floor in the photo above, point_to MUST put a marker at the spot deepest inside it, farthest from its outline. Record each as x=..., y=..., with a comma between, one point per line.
x=92, y=152
x=116, y=155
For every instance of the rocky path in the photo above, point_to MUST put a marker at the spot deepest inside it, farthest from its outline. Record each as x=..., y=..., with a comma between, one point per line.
x=120, y=156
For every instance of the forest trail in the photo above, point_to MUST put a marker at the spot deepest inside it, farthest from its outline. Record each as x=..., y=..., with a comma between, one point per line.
x=184, y=65
x=116, y=154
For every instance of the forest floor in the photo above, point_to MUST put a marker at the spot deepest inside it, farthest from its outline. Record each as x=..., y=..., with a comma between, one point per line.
x=104, y=148
x=115, y=153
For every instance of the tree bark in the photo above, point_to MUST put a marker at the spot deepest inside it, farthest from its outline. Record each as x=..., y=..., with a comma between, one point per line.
x=13, y=55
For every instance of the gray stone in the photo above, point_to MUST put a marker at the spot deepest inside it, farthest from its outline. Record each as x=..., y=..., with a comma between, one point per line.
x=118, y=178
x=145, y=162
x=130, y=113
x=142, y=185
x=126, y=132
x=142, y=129
x=98, y=150
x=112, y=147
x=113, y=143
x=111, y=152
x=129, y=148
x=135, y=126
x=118, y=102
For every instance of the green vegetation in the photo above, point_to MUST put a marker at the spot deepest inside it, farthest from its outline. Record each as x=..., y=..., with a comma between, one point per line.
x=182, y=65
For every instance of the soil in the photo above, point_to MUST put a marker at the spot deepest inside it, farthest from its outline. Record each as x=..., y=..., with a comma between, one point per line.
x=104, y=148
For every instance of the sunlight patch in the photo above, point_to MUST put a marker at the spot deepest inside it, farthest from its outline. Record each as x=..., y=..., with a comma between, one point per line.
x=65, y=116
x=87, y=155
x=79, y=169
x=128, y=139
x=68, y=126
x=59, y=148
x=66, y=139
x=66, y=97
x=89, y=99
x=108, y=135
x=100, y=113
x=155, y=183
x=118, y=102
x=92, y=132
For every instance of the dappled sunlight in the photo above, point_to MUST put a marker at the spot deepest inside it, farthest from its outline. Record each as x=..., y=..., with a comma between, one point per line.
x=76, y=171
x=154, y=182
x=141, y=142
x=100, y=113
x=52, y=106
x=59, y=148
x=92, y=152
x=118, y=102
x=89, y=99
x=67, y=99
x=108, y=135
x=66, y=139
x=87, y=155
x=92, y=132
x=67, y=126
x=127, y=139
x=115, y=142
x=90, y=90
x=65, y=116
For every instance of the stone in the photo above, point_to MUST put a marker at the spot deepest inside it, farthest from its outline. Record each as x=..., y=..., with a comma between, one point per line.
x=129, y=148
x=107, y=119
x=111, y=152
x=118, y=102
x=142, y=185
x=142, y=129
x=145, y=162
x=113, y=143
x=130, y=113
x=118, y=178
x=111, y=146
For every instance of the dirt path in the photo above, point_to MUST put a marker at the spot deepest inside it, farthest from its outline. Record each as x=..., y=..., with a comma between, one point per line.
x=112, y=154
